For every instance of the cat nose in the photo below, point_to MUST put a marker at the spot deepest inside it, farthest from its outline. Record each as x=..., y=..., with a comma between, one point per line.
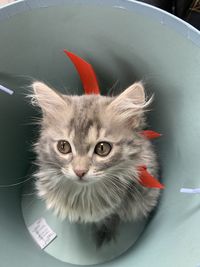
x=80, y=173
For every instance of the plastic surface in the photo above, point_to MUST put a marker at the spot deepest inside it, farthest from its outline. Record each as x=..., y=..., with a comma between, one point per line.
x=136, y=42
x=74, y=242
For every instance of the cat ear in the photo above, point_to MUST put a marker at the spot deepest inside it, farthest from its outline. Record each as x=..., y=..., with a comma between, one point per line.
x=49, y=100
x=129, y=106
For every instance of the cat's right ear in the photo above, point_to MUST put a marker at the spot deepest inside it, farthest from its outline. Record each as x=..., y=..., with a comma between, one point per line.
x=49, y=100
x=129, y=106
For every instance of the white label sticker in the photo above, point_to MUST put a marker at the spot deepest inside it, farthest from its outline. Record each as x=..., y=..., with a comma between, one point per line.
x=42, y=233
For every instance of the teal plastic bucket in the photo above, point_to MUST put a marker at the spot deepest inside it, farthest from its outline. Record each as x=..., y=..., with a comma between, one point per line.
x=124, y=41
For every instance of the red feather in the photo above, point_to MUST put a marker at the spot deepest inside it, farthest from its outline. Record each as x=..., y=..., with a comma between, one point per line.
x=150, y=134
x=147, y=180
x=86, y=73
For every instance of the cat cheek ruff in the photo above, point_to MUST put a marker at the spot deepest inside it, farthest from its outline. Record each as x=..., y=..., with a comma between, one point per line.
x=90, y=85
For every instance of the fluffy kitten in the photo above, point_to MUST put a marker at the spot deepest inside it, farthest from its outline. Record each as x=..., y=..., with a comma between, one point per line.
x=88, y=154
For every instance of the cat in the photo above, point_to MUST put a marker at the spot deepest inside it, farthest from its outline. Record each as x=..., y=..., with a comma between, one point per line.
x=88, y=154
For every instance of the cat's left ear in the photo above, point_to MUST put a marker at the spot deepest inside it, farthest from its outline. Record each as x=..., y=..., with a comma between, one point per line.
x=129, y=106
x=49, y=100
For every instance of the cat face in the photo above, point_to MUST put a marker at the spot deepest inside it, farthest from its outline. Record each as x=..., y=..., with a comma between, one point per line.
x=89, y=150
x=87, y=137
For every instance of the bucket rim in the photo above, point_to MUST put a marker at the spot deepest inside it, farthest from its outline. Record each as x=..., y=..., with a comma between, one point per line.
x=162, y=17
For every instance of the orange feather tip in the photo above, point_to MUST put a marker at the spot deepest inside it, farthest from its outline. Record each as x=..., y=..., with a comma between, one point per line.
x=147, y=180
x=150, y=134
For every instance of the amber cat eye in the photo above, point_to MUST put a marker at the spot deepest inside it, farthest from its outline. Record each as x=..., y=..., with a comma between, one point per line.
x=103, y=149
x=64, y=147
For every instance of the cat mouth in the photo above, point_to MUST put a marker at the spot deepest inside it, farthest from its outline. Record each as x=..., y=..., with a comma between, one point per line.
x=84, y=181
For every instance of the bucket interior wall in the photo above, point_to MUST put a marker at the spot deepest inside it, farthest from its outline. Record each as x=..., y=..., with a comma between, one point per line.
x=124, y=41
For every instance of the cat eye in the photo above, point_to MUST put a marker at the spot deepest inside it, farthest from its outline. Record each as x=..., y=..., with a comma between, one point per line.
x=103, y=149
x=64, y=147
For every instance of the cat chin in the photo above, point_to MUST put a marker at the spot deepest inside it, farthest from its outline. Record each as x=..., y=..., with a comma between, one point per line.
x=83, y=181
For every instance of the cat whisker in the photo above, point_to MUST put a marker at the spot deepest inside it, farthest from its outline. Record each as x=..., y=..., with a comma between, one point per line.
x=114, y=189
x=135, y=192
x=16, y=184
x=123, y=187
x=64, y=171
x=127, y=186
x=115, y=195
x=113, y=88
x=48, y=162
x=133, y=189
x=29, y=194
x=32, y=123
